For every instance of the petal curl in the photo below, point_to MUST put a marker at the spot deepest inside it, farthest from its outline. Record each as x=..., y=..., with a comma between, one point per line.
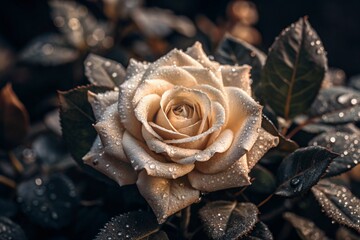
x=166, y=196
x=196, y=51
x=121, y=172
x=237, y=76
x=155, y=165
x=101, y=101
x=244, y=121
x=264, y=142
x=235, y=176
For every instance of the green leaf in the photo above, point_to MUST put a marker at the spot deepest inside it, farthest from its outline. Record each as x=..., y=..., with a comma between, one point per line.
x=306, y=229
x=132, y=225
x=294, y=70
x=264, y=181
x=338, y=203
x=260, y=232
x=302, y=169
x=336, y=105
x=233, y=51
x=228, y=220
x=76, y=118
x=345, y=144
x=285, y=144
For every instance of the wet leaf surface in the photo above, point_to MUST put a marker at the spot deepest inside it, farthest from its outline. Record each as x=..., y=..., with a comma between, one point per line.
x=264, y=181
x=228, y=220
x=48, y=201
x=306, y=229
x=338, y=203
x=8, y=208
x=132, y=225
x=345, y=144
x=302, y=169
x=294, y=70
x=10, y=230
x=260, y=232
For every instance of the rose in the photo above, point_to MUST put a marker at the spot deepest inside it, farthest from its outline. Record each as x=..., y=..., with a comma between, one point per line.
x=177, y=127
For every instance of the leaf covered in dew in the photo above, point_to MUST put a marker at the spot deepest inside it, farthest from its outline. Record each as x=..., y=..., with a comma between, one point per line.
x=336, y=105
x=338, y=203
x=10, y=230
x=14, y=119
x=306, y=229
x=234, y=51
x=131, y=225
x=49, y=49
x=104, y=72
x=294, y=70
x=302, y=169
x=228, y=220
x=345, y=144
x=260, y=232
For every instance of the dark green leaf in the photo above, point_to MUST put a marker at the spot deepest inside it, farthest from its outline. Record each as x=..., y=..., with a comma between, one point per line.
x=7, y=208
x=132, y=225
x=260, y=232
x=76, y=118
x=345, y=144
x=264, y=181
x=10, y=230
x=336, y=105
x=294, y=70
x=302, y=169
x=51, y=49
x=104, y=72
x=48, y=201
x=285, y=144
x=306, y=229
x=236, y=51
x=338, y=203
x=228, y=220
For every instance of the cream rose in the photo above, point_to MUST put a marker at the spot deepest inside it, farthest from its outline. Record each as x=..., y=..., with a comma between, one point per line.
x=177, y=127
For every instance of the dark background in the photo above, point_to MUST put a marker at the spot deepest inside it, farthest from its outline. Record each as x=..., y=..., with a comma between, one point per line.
x=337, y=22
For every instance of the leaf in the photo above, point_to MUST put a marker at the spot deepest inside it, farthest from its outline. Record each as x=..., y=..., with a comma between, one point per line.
x=285, y=144
x=336, y=105
x=345, y=234
x=7, y=208
x=48, y=201
x=354, y=82
x=338, y=203
x=233, y=51
x=10, y=230
x=80, y=27
x=49, y=49
x=76, y=117
x=104, y=72
x=302, y=169
x=132, y=225
x=260, y=232
x=156, y=22
x=294, y=70
x=264, y=181
x=161, y=235
x=306, y=229
x=14, y=119
x=228, y=220
x=345, y=144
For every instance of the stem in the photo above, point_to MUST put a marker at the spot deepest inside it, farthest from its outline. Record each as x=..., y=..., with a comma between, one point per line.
x=299, y=127
x=185, y=220
x=265, y=200
x=7, y=182
x=15, y=162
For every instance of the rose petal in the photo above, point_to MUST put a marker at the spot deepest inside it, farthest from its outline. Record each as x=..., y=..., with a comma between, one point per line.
x=134, y=73
x=148, y=87
x=114, y=168
x=235, y=176
x=237, y=76
x=191, y=130
x=222, y=143
x=158, y=146
x=99, y=102
x=205, y=76
x=165, y=133
x=196, y=51
x=165, y=196
x=110, y=131
x=142, y=158
x=264, y=142
x=244, y=120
